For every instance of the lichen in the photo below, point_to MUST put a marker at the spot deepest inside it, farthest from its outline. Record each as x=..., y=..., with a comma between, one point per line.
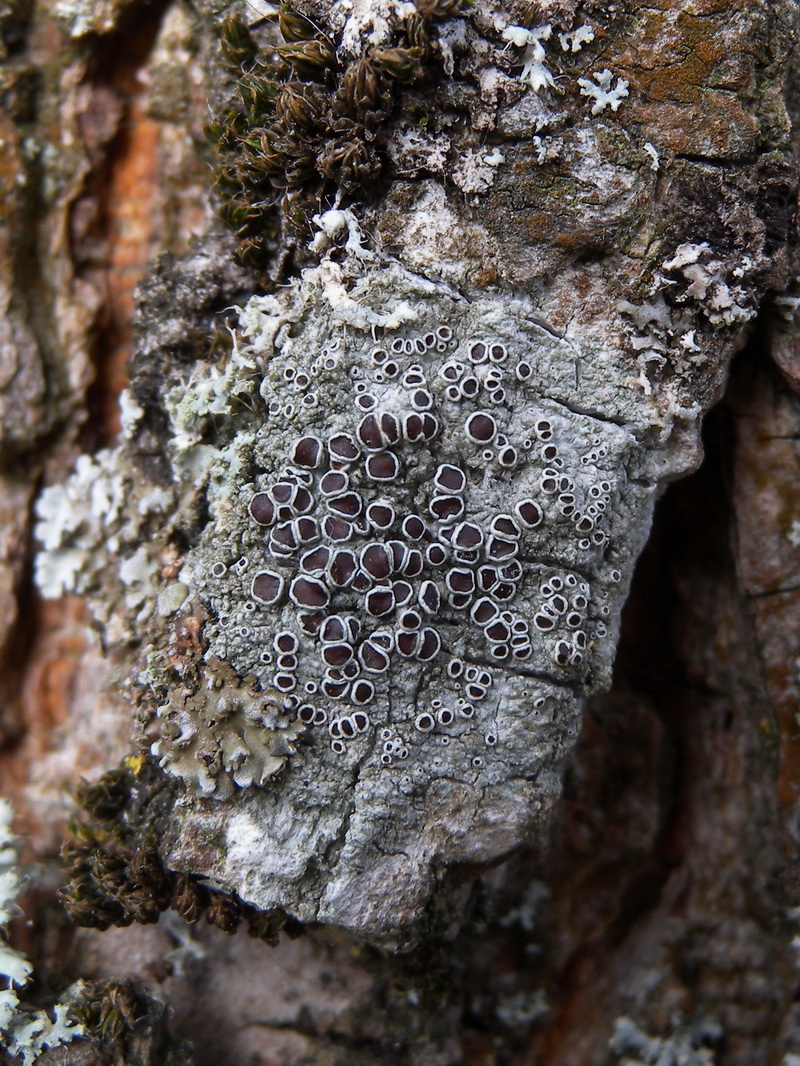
x=534, y=70
x=703, y=290
x=103, y=508
x=701, y=279
x=413, y=538
x=687, y=1044
x=25, y=1033
x=576, y=39
x=603, y=92
x=369, y=554
x=475, y=172
x=430, y=644
x=417, y=538
x=230, y=734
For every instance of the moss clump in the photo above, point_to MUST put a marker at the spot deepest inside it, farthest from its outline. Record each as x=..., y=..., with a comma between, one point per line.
x=126, y=1025
x=115, y=875
x=307, y=124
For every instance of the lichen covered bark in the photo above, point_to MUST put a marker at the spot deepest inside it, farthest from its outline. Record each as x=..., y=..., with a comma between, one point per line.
x=554, y=371
x=514, y=310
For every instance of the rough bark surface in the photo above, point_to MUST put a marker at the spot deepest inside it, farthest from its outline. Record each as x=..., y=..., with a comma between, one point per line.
x=621, y=238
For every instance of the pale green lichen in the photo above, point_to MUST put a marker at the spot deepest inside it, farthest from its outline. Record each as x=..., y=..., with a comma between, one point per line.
x=229, y=735
x=25, y=1033
x=102, y=508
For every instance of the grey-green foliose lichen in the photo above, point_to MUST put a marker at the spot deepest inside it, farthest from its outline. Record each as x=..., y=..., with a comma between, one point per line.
x=25, y=1032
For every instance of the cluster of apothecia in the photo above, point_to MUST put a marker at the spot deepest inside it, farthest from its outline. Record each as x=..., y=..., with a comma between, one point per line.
x=410, y=550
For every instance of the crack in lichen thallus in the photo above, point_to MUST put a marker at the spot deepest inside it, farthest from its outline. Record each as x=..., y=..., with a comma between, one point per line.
x=305, y=125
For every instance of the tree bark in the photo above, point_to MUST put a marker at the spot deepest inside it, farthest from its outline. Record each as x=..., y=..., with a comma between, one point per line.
x=586, y=867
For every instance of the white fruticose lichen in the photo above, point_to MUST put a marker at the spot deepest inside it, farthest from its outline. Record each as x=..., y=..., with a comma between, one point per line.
x=453, y=38
x=522, y=1009
x=788, y=305
x=187, y=951
x=130, y=412
x=534, y=70
x=602, y=92
x=576, y=39
x=546, y=150
x=793, y=536
x=333, y=226
x=655, y=159
x=86, y=16
x=23, y=1033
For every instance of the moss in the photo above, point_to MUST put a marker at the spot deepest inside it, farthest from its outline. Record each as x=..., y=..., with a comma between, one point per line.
x=307, y=124
x=115, y=875
x=127, y=1024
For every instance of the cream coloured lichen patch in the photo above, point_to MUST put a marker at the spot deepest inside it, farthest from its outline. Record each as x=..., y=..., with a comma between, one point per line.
x=361, y=23
x=576, y=39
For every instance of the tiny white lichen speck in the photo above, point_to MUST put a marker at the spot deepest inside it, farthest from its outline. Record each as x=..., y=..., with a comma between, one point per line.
x=655, y=159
